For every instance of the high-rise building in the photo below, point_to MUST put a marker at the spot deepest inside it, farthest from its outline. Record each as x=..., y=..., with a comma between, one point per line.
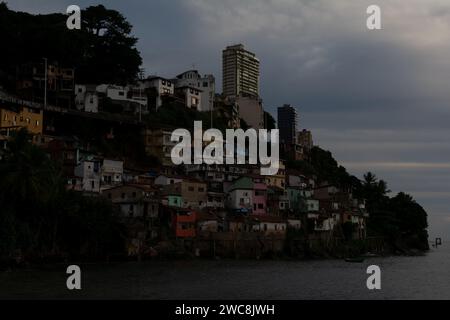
x=287, y=124
x=240, y=71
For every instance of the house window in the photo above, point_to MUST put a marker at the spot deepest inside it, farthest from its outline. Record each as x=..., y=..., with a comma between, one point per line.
x=92, y=185
x=121, y=93
x=201, y=189
x=123, y=195
x=134, y=194
x=205, y=84
x=260, y=206
x=191, y=188
x=265, y=227
x=254, y=206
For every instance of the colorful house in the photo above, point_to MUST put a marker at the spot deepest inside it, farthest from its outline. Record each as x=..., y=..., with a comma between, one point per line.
x=184, y=222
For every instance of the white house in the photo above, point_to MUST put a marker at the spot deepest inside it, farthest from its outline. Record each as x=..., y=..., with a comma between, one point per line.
x=162, y=86
x=270, y=225
x=86, y=98
x=111, y=173
x=164, y=180
x=89, y=173
x=207, y=85
x=192, y=97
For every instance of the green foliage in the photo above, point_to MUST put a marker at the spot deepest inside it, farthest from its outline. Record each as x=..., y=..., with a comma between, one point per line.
x=103, y=51
x=178, y=116
x=38, y=217
x=399, y=219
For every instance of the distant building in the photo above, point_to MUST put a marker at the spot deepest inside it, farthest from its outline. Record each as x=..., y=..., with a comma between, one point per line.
x=111, y=173
x=193, y=192
x=30, y=83
x=88, y=174
x=191, y=97
x=158, y=143
x=206, y=86
x=86, y=98
x=251, y=111
x=240, y=71
x=240, y=195
x=287, y=124
x=14, y=117
x=157, y=89
x=305, y=140
x=134, y=201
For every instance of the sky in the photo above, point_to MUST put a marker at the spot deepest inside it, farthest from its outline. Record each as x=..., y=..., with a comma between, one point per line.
x=379, y=100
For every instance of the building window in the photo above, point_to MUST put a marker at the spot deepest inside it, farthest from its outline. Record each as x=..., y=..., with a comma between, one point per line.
x=191, y=189
x=201, y=189
x=123, y=195
x=121, y=93
x=205, y=84
x=134, y=194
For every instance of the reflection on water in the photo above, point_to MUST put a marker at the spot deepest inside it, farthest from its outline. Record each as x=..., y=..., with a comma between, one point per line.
x=425, y=277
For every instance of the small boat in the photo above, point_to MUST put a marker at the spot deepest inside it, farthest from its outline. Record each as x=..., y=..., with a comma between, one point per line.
x=356, y=259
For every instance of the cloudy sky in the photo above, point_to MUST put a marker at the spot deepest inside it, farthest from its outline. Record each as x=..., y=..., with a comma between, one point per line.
x=379, y=100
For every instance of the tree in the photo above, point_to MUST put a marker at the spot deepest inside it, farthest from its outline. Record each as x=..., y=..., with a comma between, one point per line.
x=103, y=51
x=37, y=213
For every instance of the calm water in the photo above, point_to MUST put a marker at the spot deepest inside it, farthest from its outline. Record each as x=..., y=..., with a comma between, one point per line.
x=426, y=277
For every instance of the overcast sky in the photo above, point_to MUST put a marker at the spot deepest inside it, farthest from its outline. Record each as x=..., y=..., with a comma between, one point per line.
x=379, y=100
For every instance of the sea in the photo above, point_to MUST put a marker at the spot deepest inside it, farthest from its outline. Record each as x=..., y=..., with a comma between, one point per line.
x=418, y=277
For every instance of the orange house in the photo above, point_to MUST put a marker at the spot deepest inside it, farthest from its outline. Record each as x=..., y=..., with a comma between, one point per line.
x=21, y=117
x=184, y=222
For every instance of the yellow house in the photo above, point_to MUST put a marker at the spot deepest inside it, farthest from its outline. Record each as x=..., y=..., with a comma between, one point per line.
x=22, y=117
x=278, y=180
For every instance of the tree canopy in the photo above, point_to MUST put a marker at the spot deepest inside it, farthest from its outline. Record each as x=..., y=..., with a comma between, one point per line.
x=103, y=51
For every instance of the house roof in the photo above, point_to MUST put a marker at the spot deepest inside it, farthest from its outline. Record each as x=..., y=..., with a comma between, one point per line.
x=245, y=183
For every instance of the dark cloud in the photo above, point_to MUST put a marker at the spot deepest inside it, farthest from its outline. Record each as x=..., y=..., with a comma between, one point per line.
x=378, y=99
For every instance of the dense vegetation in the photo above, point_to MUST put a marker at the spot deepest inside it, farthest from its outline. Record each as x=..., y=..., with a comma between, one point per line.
x=400, y=219
x=103, y=51
x=39, y=218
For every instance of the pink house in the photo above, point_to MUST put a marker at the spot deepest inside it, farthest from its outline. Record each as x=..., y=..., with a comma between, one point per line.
x=259, y=196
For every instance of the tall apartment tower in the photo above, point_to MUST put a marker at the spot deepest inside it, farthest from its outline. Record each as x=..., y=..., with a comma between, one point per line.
x=240, y=71
x=287, y=124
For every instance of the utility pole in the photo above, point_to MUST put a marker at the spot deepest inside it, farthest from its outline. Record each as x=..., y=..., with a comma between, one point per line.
x=45, y=82
x=141, y=78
